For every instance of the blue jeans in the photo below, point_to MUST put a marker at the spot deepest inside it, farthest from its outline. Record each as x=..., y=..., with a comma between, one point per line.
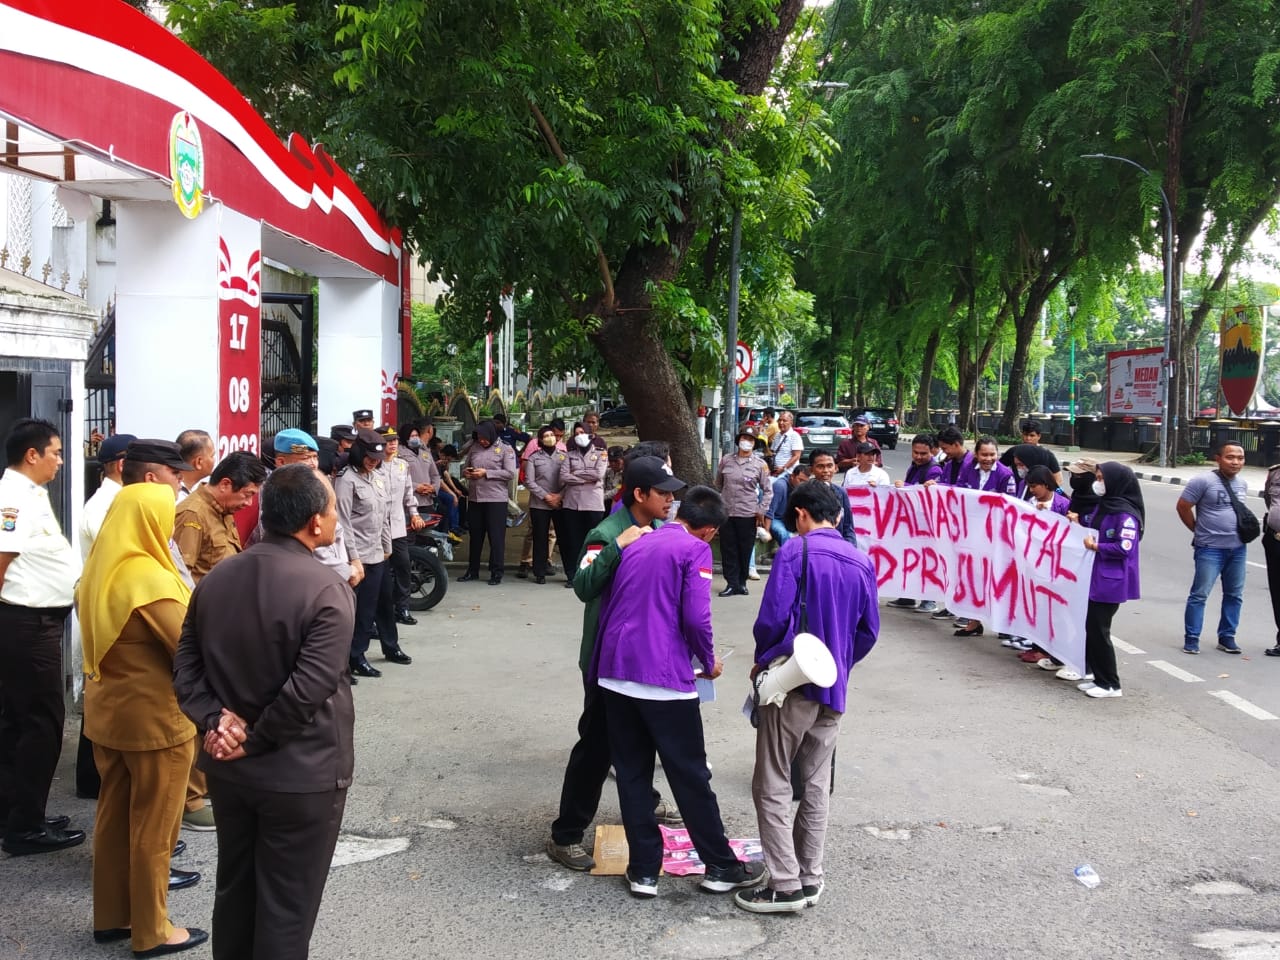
x=1211, y=563
x=779, y=531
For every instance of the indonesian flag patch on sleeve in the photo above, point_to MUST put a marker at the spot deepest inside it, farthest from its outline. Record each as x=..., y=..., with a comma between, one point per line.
x=588, y=558
x=704, y=573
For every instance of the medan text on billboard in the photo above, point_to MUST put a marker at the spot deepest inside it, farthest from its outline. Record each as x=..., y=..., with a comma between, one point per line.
x=1015, y=568
x=1134, y=385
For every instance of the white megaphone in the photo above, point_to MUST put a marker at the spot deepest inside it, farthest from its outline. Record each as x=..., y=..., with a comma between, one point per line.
x=810, y=662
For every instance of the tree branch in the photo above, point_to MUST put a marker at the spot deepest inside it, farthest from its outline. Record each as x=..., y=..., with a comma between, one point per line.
x=602, y=262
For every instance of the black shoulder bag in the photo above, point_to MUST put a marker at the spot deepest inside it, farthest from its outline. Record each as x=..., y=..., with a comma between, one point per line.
x=1248, y=529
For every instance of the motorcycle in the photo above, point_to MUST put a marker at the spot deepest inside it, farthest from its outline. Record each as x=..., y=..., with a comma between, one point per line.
x=428, y=551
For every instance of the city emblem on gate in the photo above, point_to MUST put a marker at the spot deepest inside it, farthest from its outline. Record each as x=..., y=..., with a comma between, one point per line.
x=186, y=164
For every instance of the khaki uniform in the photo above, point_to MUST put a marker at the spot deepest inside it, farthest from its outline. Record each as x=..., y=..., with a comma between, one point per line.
x=143, y=747
x=204, y=532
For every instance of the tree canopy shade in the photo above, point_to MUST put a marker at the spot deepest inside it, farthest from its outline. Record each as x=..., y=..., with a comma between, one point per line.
x=585, y=151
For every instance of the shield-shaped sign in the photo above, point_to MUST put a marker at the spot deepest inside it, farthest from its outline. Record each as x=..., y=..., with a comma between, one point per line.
x=1240, y=359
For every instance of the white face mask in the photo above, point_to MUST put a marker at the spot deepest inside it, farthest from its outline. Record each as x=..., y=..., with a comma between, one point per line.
x=582, y=440
x=1022, y=473
x=746, y=446
x=1099, y=488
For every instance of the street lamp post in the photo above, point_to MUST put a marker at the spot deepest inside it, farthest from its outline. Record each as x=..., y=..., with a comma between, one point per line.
x=1165, y=459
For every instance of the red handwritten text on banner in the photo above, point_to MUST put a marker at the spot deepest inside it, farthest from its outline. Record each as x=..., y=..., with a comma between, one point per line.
x=985, y=555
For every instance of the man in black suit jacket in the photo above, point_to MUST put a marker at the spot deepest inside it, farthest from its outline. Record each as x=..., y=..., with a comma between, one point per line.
x=262, y=670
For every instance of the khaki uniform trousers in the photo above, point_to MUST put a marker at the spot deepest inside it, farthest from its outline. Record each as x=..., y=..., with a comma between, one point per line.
x=804, y=731
x=139, y=816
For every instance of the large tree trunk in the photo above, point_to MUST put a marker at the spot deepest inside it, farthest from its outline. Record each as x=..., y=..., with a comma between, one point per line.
x=922, y=421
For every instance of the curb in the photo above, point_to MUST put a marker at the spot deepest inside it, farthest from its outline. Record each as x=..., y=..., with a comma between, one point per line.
x=1180, y=482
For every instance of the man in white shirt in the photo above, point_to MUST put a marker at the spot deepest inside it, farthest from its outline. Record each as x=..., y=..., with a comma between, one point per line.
x=111, y=453
x=864, y=472
x=38, y=574
x=786, y=445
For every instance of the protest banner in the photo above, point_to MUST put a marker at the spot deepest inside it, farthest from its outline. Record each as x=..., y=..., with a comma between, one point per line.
x=1017, y=569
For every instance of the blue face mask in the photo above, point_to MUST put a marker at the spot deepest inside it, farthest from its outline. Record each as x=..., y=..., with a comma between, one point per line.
x=414, y=443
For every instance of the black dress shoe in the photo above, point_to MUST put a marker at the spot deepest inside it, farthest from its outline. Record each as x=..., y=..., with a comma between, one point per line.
x=195, y=937
x=539, y=579
x=523, y=572
x=60, y=822
x=354, y=681
x=181, y=879
x=744, y=592
x=398, y=656
x=728, y=592
x=40, y=841
x=363, y=668
x=468, y=577
x=403, y=616
x=179, y=848
x=552, y=570
x=495, y=580
x=112, y=935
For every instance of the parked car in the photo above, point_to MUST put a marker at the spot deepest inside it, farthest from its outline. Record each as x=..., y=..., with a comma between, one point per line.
x=882, y=424
x=822, y=428
x=750, y=416
x=619, y=416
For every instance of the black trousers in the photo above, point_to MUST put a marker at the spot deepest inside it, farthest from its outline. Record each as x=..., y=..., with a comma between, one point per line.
x=586, y=772
x=672, y=729
x=572, y=534
x=543, y=521
x=1099, y=654
x=400, y=572
x=487, y=519
x=274, y=851
x=32, y=711
x=384, y=616
x=367, y=593
x=1271, y=550
x=737, y=537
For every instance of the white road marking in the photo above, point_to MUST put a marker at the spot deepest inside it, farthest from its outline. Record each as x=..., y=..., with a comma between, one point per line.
x=1243, y=705
x=353, y=849
x=1128, y=648
x=1176, y=672
x=1254, y=563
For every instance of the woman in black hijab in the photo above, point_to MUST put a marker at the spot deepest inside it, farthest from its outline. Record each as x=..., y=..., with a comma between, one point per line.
x=1028, y=455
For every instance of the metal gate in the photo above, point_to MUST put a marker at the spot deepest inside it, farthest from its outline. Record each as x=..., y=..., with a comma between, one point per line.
x=288, y=380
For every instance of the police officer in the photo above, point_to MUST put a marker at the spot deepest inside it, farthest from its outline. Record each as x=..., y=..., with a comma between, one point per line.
x=488, y=465
x=393, y=600
x=38, y=573
x=363, y=511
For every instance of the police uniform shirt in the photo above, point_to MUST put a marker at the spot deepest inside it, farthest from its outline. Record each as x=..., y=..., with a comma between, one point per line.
x=398, y=489
x=45, y=570
x=362, y=508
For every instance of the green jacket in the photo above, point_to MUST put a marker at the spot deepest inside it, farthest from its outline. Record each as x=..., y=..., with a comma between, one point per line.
x=599, y=561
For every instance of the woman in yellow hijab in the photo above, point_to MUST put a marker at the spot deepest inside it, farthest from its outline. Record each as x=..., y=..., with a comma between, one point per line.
x=131, y=602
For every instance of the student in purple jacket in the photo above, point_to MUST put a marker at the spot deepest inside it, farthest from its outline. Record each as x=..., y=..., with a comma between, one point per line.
x=921, y=471
x=654, y=625
x=839, y=584
x=985, y=471
x=1118, y=522
x=1042, y=492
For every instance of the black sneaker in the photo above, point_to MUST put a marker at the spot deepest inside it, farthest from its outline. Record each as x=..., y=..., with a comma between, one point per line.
x=768, y=900
x=740, y=875
x=643, y=888
x=812, y=893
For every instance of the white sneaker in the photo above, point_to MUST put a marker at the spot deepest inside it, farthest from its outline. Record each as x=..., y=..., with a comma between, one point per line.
x=753, y=574
x=1021, y=645
x=1010, y=642
x=1046, y=663
x=1087, y=685
x=1100, y=692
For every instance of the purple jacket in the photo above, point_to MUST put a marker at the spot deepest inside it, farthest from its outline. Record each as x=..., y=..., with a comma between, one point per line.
x=999, y=480
x=1060, y=504
x=1115, y=568
x=930, y=471
x=658, y=614
x=954, y=475
x=840, y=590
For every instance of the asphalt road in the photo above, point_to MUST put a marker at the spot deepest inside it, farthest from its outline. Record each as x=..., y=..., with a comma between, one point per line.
x=969, y=787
